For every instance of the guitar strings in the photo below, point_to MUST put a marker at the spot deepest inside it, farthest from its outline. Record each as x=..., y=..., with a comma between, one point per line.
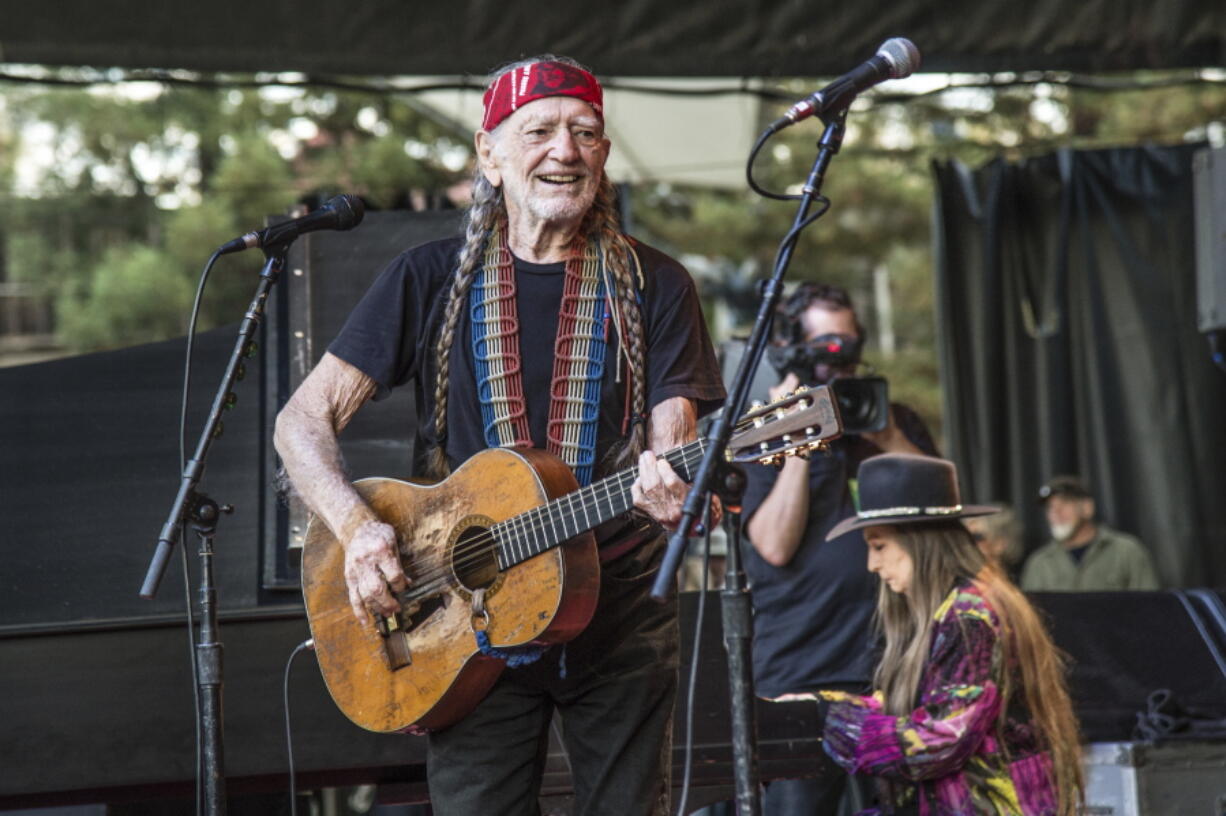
x=438, y=575
x=534, y=521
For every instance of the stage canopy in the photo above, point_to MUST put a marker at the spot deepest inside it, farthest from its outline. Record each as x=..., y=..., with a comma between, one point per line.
x=765, y=38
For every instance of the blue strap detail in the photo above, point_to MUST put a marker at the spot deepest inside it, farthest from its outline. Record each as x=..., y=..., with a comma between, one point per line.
x=515, y=656
x=481, y=359
x=594, y=380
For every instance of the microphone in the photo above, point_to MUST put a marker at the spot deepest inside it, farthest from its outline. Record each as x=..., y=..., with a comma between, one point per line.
x=342, y=212
x=896, y=58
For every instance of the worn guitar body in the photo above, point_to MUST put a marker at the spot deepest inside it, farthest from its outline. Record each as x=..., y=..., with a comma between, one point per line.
x=502, y=548
x=424, y=671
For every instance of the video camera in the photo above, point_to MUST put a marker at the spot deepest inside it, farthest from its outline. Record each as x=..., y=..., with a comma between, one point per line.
x=864, y=402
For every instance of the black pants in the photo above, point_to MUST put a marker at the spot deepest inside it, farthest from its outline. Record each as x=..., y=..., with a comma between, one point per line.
x=616, y=702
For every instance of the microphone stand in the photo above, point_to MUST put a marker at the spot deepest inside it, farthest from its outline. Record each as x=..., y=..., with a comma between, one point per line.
x=736, y=606
x=203, y=511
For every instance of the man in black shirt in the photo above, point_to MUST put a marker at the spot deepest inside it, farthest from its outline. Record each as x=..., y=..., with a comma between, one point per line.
x=546, y=327
x=813, y=599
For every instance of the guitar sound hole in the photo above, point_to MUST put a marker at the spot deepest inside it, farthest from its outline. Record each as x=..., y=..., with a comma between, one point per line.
x=473, y=559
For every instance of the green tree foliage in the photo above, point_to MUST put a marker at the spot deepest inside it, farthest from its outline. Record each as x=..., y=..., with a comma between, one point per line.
x=127, y=297
x=881, y=194
x=127, y=190
x=137, y=183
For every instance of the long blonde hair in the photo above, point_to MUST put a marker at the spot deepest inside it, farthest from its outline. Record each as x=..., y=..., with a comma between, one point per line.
x=601, y=224
x=941, y=555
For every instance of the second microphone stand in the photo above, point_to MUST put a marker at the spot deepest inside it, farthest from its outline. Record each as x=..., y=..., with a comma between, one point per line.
x=737, y=607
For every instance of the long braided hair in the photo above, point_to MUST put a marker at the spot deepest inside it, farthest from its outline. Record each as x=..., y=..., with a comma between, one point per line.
x=601, y=223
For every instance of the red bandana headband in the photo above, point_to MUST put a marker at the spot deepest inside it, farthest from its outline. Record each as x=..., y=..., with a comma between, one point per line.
x=528, y=83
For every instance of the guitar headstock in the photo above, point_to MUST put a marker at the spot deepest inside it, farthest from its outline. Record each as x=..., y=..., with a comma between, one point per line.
x=794, y=425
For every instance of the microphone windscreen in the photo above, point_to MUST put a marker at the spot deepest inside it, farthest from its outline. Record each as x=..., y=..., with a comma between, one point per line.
x=902, y=55
x=349, y=211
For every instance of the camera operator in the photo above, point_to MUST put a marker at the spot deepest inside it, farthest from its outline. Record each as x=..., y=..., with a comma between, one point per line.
x=813, y=599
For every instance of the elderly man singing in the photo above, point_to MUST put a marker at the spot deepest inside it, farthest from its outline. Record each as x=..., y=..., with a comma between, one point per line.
x=551, y=292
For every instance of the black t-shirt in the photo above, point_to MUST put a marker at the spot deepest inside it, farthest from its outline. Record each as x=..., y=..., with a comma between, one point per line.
x=392, y=335
x=813, y=616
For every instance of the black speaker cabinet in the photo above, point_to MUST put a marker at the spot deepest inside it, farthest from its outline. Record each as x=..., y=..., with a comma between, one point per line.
x=326, y=274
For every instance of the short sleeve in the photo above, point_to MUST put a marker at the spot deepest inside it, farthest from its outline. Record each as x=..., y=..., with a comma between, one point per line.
x=680, y=357
x=385, y=331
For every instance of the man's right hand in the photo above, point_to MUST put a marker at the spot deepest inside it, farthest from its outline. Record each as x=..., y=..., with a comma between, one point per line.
x=373, y=571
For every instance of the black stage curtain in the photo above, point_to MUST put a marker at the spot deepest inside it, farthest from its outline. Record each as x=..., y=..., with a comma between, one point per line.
x=628, y=38
x=1066, y=293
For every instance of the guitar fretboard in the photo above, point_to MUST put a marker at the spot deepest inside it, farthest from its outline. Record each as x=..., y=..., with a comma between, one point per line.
x=545, y=527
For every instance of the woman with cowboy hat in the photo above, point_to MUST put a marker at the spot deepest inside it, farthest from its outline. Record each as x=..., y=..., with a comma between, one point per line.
x=971, y=713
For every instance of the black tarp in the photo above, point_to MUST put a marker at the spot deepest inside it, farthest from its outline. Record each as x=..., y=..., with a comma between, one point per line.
x=628, y=38
x=1066, y=297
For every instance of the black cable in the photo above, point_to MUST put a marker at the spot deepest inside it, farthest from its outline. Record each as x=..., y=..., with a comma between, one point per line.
x=753, y=184
x=688, y=765
x=822, y=202
x=309, y=643
x=187, y=578
x=187, y=361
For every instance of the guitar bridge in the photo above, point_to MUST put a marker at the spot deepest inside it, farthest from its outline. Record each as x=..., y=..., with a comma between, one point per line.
x=396, y=628
x=395, y=640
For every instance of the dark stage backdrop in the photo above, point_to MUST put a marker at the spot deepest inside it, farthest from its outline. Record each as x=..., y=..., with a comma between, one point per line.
x=627, y=38
x=1066, y=289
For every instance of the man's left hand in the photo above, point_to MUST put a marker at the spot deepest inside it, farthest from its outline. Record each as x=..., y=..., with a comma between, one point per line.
x=660, y=493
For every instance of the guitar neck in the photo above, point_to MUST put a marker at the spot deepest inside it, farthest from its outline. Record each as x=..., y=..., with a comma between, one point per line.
x=545, y=527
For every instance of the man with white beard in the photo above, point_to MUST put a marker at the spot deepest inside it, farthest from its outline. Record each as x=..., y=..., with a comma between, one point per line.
x=1083, y=555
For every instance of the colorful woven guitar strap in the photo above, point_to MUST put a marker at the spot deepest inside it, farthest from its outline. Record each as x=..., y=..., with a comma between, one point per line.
x=579, y=355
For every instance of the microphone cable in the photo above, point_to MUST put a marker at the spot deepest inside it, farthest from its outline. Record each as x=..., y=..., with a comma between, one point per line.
x=688, y=765
x=187, y=577
x=306, y=645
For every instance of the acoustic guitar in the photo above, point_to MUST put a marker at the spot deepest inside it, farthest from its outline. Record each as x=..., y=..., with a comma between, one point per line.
x=499, y=554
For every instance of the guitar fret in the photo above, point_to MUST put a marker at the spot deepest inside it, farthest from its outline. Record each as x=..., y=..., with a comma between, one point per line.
x=540, y=538
x=609, y=497
x=526, y=525
x=570, y=509
x=572, y=514
x=525, y=541
x=518, y=539
x=587, y=521
x=553, y=522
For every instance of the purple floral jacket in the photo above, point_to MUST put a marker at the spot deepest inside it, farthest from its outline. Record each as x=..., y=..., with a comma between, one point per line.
x=948, y=756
